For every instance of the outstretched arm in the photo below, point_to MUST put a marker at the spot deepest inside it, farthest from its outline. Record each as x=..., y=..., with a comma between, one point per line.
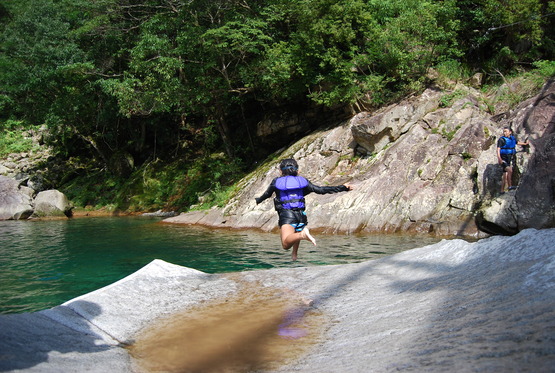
x=268, y=193
x=327, y=189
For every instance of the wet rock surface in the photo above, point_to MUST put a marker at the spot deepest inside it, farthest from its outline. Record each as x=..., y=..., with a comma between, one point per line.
x=452, y=306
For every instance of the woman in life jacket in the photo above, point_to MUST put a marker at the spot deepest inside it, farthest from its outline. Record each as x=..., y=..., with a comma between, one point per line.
x=506, y=150
x=290, y=190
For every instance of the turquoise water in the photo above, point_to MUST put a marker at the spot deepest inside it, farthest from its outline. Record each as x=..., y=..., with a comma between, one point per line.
x=46, y=263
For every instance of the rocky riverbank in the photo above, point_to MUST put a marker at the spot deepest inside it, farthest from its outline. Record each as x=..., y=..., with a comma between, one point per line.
x=424, y=165
x=418, y=166
x=25, y=192
x=451, y=306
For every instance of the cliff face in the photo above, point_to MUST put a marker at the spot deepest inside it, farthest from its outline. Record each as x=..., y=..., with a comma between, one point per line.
x=416, y=167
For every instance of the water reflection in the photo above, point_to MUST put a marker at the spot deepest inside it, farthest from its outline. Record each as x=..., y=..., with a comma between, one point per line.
x=45, y=263
x=31, y=258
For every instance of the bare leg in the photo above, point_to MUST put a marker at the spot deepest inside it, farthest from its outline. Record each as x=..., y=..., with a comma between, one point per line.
x=507, y=179
x=294, y=251
x=287, y=235
x=509, y=174
x=292, y=239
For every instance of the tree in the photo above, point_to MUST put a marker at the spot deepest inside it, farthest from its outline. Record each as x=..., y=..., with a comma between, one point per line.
x=33, y=48
x=339, y=53
x=499, y=34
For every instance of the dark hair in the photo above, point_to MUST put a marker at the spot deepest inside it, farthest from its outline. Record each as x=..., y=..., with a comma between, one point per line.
x=289, y=167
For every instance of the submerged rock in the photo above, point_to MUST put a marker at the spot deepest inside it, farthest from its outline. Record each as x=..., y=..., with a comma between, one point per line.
x=452, y=306
x=160, y=214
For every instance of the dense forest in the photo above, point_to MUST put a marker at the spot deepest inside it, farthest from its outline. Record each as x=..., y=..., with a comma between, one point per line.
x=152, y=103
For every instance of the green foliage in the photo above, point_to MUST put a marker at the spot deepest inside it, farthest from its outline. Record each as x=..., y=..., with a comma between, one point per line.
x=466, y=156
x=450, y=134
x=452, y=70
x=166, y=80
x=448, y=99
x=12, y=139
x=34, y=45
x=338, y=53
x=520, y=87
x=207, y=182
x=486, y=132
x=543, y=70
x=501, y=35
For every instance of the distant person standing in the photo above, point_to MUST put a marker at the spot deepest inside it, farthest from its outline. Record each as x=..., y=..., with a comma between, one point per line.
x=506, y=151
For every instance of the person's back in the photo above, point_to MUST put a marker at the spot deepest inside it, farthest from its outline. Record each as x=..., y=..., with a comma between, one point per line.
x=290, y=191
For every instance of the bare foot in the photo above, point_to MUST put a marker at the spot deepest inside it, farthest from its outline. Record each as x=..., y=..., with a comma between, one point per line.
x=305, y=234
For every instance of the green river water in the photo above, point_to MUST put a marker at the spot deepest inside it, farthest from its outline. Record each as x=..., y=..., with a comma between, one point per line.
x=46, y=263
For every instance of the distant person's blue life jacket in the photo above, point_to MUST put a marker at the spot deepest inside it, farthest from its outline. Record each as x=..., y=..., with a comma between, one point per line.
x=290, y=191
x=510, y=145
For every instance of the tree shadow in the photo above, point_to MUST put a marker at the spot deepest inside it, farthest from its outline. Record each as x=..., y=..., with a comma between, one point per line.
x=29, y=339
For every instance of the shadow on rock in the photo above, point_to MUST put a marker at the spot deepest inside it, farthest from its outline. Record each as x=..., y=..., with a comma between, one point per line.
x=29, y=339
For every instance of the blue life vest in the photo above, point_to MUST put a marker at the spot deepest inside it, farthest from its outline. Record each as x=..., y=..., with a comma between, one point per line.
x=510, y=145
x=290, y=191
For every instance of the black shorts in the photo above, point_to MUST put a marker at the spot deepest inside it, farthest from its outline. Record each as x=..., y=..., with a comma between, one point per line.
x=508, y=161
x=296, y=218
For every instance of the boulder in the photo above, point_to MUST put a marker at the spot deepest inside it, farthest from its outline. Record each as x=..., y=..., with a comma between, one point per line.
x=15, y=202
x=4, y=170
x=52, y=203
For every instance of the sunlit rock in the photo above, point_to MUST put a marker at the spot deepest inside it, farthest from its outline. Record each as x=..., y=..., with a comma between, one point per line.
x=415, y=167
x=15, y=203
x=454, y=306
x=52, y=203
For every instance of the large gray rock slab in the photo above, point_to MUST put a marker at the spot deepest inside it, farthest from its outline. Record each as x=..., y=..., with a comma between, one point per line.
x=15, y=202
x=37, y=343
x=415, y=167
x=452, y=306
x=89, y=333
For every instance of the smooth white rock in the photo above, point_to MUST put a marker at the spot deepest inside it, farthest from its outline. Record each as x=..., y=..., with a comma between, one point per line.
x=452, y=306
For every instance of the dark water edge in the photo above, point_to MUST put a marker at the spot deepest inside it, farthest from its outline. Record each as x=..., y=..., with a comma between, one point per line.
x=46, y=263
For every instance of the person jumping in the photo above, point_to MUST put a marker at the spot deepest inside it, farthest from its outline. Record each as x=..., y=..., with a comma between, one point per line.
x=290, y=190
